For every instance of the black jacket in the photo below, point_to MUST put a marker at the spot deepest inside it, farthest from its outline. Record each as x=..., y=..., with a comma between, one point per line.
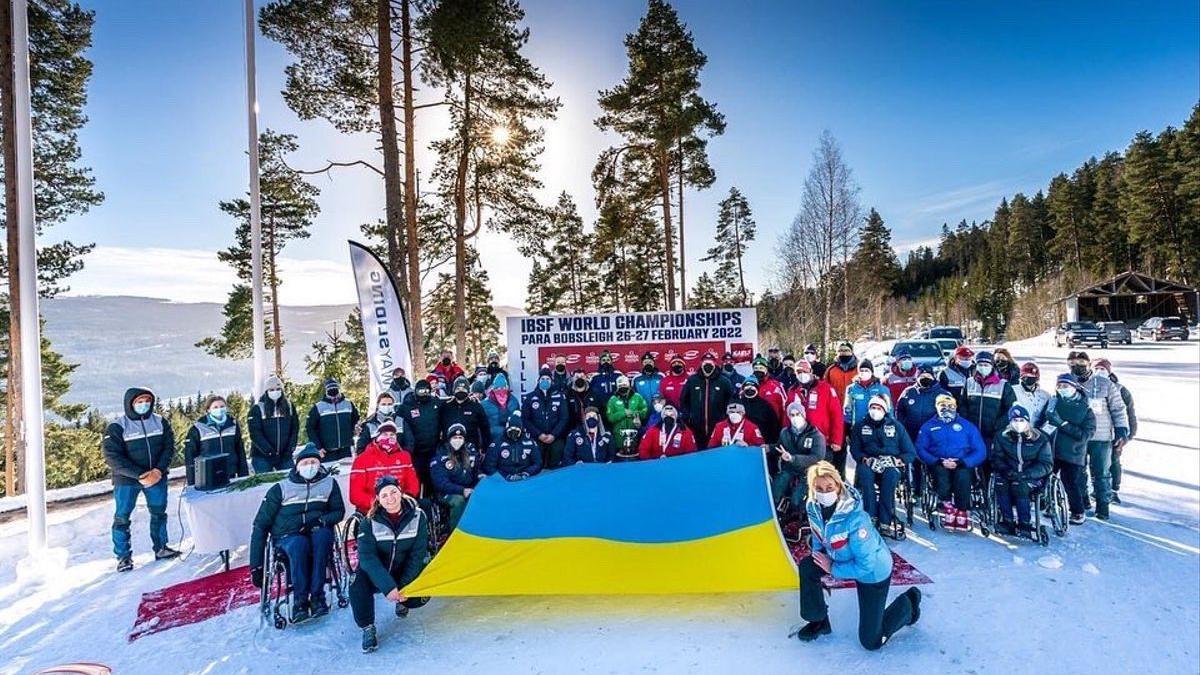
x=1021, y=457
x=763, y=415
x=885, y=438
x=470, y=414
x=331, y=423
x=205, y=439
x=274, y=428
x=134, y=444
x=703, y=403
x=422, y=419
x=392, y=556
x=1074, y=423
x=294, y=505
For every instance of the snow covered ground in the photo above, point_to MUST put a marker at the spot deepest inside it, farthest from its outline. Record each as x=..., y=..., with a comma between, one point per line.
x=1114, y=596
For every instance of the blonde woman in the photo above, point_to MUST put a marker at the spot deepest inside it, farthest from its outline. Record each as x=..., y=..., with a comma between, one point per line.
x=846, y=546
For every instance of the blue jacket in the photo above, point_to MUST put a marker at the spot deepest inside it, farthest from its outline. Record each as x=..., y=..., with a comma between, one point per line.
x=854, y=408
x=452, y=471
x=735, y=378
x=647, y=385
x=579, y=447
x=886, y=437
x=916, y=406
x=545, y=412
x=850, y=540
x=957, y=439
x=510, y=458
x=604, y=384
x=496, y=416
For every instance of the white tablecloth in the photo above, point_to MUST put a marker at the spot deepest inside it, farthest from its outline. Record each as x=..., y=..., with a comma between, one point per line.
x=221, y=520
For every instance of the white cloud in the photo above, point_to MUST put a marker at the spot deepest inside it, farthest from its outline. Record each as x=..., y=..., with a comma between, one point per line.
x=960, y=198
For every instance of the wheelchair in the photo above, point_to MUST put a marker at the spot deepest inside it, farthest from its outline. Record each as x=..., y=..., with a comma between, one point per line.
x=275, y=596
x=347, y=540
x=904, y=501
x=928, y=500
x=1047, y=502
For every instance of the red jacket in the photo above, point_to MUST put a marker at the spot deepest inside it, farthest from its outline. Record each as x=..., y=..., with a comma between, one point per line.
x=726, y=434
x=822, y=409
x=655, y=445
x=671, y=388
x=897, y=380
x=840, y=377
x=372, y=464
x=451, y=372
x=772, y=392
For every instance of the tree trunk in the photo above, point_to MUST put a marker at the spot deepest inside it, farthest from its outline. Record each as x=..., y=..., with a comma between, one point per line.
x=682, y=251
x=664, y=180
x=415, y=330
x=737, y=249
x=273, y=280
x=14, y=430
x=391, y=149
x=460, y=225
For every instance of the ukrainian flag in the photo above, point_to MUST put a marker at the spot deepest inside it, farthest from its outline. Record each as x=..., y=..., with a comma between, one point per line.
x=698, y=523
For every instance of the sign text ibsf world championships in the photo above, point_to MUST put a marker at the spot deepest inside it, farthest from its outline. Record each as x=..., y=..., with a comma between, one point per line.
x=655, y=327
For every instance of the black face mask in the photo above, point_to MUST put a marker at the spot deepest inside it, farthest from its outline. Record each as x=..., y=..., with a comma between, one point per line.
x=648, y=368
x=622, y=391
x=460, y=396
x=333, y=392
x=925, y=382
x=513, y=434
x=789, y=369
x=560, y=368
x=1001, y=364
x=493, y=368
x=749, y=392
x=446, y=361
x=761, y=375
x=773, y=362
x=580, y=385
x=1029, y=382
x=728, y=367
x=1079, y=370
x=400, y=384
x=668, y=422
x=845, y=358
x=708, y=368
x=678, y=370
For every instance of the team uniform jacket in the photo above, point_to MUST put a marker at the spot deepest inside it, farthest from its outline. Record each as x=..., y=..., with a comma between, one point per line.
x=135, y=444
x=331, y=423
x=850, y=540
x=728, y=433
x=374, y=463
x=205, y=439
x=294, y=505
x=956, y=439
x=274, y=428
x=822, y=409
x=453, y=472
x=658, y=443
x=393, y=557
x=986, y=404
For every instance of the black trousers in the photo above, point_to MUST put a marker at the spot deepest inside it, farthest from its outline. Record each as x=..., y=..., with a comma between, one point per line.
x=956, y=481
x=362, y=598
x=875, y=623
x=1074, y=479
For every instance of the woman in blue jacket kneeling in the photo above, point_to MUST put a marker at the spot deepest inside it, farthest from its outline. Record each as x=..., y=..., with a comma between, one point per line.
x=846, y=546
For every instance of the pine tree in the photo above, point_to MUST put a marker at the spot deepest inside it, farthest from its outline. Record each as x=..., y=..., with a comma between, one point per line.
x=662, y=120
x=1152, y=206
x=705, y=294
x=735, y=231
x=288, y=207
x=565, y=283
x=483, y=328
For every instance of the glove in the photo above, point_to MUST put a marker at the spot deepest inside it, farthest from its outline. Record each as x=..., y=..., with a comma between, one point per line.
x=256, y=576
x=515, y=477
x=870, y=463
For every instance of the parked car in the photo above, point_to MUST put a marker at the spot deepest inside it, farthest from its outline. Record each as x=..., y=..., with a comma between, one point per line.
x=1163, y=328
x=944, y=333
x=948, y=346
x=1117, y=332
x=923, y=352
x=1074, y=333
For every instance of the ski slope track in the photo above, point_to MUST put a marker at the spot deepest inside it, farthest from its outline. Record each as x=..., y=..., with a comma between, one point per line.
x=1124, y=592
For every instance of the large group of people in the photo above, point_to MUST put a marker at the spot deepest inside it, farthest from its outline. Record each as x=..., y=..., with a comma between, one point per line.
x=427, y=444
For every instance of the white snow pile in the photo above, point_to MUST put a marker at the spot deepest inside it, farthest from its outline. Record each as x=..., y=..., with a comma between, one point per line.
x=995, y=605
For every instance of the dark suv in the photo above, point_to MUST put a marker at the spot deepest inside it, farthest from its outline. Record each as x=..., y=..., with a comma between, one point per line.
x=1118, y=333
x=1074, y=333
x=1160, y=328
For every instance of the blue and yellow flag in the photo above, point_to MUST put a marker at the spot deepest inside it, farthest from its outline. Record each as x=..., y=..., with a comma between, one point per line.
x=698, y=523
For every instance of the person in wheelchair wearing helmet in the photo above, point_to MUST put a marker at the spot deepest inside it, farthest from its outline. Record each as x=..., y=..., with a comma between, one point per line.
x=456, y=471
x=392, y=551
x=516, y=456
x=1021, y=460
x=882, y=449
x=800, y=446
x=590, y=443
x=299, y=513
x=951, y=448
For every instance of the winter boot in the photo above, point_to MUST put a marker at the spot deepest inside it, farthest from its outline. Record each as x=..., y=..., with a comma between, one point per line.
x=1026, y=531
x=1116, y=498
x=166, y=553
x=1102, y=511
x=914, y=598
x=124, y=564
x=814, y=629
x=947, y=513
x=320, y=607
x=300, y=612
x=369, y=642
x=1077, y=519
x=1006, y=527
x=401, y=610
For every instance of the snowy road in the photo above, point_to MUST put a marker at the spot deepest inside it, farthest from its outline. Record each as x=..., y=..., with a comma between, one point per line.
x=1109, y=597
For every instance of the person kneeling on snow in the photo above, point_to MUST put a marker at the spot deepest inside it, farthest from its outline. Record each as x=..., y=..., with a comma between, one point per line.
x=1021, y=459
x=393, y=548
x=845, y=546
x=300, y=513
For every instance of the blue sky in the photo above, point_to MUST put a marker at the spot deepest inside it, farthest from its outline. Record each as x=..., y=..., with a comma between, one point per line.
x=942, y=108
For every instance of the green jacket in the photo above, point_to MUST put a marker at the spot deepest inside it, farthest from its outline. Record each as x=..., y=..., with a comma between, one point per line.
x=621, y=412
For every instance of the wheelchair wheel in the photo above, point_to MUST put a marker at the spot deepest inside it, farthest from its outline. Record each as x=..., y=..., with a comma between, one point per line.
x=346, y=534
x=281, y=588
x=1056, y=495
x=929, y=502
x=987, y=508
x=339, y=574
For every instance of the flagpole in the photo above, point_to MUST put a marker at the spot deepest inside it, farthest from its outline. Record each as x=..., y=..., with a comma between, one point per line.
x=256, y=289
x=31, y=342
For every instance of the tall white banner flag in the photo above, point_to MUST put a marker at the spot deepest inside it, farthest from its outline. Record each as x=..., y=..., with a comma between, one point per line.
x=384, y=328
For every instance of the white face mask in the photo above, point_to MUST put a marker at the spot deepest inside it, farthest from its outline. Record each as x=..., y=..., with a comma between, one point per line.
x=457, y=442
x=274, y=394
x=984, y=369
x=875, y=413
x=865, y=375
x=658, y=407
x=964, y=363
x=826, y=499
x=735, y=418
x=798, y=421
x=1101, y=372
x=308, y=470
x=386, y=409
x=805, y=378
x=810, y=357
x=1020, y=426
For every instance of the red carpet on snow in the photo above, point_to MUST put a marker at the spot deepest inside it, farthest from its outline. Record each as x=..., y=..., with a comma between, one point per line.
x=201, y=599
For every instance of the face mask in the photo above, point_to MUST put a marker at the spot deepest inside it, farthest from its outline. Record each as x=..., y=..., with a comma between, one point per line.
x=658, y=407
x=677, y=369
x=581, y=385
x=308, y=471
x=708, y=368
x=1066, y=392
x=424, y=394
x=387, y=409
x=274, y=394
x=460, y=396
x=905, y=364
x=875, y=413
x=1001, y=363
x=963, y=363
x=1029, y=382
x=1079, y=370
x=622, y=391
x=845, y=358
x=773, y=363
x=925, y=382
x=826, y=499
x=1101, y=372
x=865, y=375
x=798, y=421
x=669, y=420
x=984, y=369
x=493, y=366
x=761, y=375
x=400, y=383
x=544, y=385
x=735, y=418
x=332, y=392
x=141, y=408
x=457, y=442
x=648, y=369
x=513, y=434
x=789, y=369
x=1020, y=426
x=388, y=444
x=749, y=392
x=592, y=422
x=560, y=368
x=217, y=414
x=946, y=414
x=805, y=378
x=810, y=357
x=445, y=360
